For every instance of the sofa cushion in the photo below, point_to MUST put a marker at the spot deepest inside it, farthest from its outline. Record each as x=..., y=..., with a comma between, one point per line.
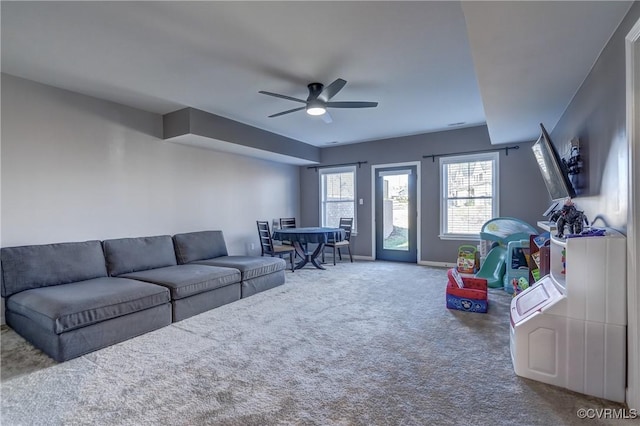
x=29, y=267
x=187, y=280
x=249, y=266
x=126, y=255
x=199, y=246
x=67, y=307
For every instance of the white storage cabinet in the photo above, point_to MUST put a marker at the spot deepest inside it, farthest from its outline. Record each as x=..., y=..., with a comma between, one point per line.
x=569, y=329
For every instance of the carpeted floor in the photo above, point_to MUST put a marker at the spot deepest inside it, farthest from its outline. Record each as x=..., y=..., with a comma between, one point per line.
x=368, y=343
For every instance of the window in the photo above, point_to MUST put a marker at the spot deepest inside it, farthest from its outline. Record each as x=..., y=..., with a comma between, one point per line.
x=469, y=194
x=337, y=195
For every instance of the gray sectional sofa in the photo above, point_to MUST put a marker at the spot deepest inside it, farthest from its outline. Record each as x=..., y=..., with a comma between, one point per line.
x=61, y=299
x=193, y=288
x=208, y=248
x=69, y=299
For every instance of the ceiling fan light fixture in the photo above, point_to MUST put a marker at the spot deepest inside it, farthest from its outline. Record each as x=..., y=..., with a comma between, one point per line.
x=315, y=108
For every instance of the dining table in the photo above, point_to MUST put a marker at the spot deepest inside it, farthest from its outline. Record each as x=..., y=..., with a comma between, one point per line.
x=302, y=237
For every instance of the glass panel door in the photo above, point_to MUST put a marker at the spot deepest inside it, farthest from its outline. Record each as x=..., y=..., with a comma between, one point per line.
x=396, y=214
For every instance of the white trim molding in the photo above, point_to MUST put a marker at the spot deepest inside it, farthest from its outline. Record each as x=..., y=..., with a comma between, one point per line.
x=632, y=46
x=322, y=202
x=436, y=264
x=360, y=257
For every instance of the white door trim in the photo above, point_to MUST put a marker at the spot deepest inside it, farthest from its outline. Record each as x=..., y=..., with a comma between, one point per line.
x=374, y=168
x=632, y=46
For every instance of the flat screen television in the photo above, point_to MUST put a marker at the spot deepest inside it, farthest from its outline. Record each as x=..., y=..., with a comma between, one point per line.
x=553, y=169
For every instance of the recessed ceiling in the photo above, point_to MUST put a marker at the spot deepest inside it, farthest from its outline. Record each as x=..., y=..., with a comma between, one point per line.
x=431, y=65
x=532, y=56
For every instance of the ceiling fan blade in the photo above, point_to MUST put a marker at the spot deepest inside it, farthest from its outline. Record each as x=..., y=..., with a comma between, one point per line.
x=326, y=117
x=351, y=104
x=331, y=90
x=289, y=98
x=286, y=112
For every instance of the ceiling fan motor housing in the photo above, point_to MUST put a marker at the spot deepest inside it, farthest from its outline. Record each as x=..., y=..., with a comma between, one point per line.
x=314, y=90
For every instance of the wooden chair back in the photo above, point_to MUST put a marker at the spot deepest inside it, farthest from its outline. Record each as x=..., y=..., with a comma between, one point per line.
x=264, y=233
x=346, y=223
x=287, y=222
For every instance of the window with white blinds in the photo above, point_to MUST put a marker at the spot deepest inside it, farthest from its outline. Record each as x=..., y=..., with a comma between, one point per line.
x=469, y=194
x=337, y=195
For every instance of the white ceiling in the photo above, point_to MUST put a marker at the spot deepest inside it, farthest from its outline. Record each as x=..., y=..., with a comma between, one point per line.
x=511, y=65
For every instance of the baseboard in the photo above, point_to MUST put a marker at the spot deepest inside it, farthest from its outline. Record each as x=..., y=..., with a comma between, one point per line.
x=420, y=262
x=436, y=264
x=358, y=257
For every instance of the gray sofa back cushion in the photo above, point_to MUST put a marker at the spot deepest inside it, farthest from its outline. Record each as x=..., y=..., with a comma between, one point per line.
x=125, y=255
x=200, y=245
x=28, y=267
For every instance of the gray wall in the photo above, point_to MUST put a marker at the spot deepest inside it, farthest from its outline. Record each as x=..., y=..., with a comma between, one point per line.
x=522, y=191
x=597, y=116
x=77, y=168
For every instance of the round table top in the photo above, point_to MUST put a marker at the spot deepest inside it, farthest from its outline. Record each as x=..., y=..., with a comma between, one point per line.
x=314, y=234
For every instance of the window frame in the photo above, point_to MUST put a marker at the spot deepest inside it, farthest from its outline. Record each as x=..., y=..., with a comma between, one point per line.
x=322, y=192
x=494, y=157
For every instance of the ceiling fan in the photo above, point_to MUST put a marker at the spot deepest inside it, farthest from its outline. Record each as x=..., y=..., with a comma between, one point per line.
x=319, y=100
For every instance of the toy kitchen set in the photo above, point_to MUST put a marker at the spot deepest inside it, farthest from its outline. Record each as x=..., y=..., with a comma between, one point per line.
x=569, y=328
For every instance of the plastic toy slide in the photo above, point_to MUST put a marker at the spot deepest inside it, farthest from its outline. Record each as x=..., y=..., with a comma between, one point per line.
x=506, y=229
x=494, y=267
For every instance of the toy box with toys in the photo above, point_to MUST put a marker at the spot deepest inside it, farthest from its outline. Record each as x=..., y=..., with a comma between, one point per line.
x=466, y=293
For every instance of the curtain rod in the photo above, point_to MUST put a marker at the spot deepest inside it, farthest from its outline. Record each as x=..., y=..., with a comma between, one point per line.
x=359, y=163
x=506, y=150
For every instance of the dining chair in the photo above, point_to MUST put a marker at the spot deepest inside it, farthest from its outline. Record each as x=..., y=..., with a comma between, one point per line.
x=270, y=249
x=346, y=223
x=287, y=222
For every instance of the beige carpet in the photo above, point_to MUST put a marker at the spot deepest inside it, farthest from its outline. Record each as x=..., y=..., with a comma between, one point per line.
x=368, y=343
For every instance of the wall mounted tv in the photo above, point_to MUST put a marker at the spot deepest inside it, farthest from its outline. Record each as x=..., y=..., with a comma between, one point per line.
x=554, y=172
